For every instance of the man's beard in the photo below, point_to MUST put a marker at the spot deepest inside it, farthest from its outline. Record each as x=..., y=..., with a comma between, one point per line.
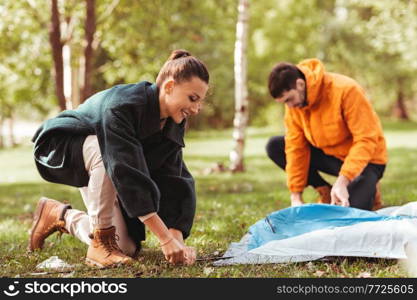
x=305, y=103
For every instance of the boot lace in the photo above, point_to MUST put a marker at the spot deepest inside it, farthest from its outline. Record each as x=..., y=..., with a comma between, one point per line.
x=109, y=244
x=106, y=244
x=114, y=243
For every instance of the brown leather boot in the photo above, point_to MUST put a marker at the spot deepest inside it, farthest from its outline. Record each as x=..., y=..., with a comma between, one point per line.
x=104, y=251
x=378, y=198
x=324, y=194
x=48, y=218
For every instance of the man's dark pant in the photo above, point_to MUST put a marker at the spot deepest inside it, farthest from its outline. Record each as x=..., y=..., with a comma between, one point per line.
x=361, y=189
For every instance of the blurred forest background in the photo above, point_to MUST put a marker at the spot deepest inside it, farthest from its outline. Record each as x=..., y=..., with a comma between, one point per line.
x=54, y=54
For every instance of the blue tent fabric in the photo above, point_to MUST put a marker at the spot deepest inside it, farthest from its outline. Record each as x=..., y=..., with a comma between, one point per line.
x=293, y=221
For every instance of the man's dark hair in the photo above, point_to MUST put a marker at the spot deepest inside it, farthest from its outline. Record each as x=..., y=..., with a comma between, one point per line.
x=283, y=78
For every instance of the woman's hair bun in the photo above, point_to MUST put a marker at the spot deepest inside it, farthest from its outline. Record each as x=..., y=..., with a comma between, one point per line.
x=179, y=54
x=182, y=69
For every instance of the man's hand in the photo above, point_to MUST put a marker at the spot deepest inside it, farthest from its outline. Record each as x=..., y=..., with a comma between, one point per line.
x=296, y=199
x=339, y=193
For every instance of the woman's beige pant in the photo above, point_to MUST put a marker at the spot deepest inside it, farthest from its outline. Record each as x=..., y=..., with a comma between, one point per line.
x=100, y=199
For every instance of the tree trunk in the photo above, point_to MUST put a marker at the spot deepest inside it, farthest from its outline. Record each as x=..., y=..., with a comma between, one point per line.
x=76, y=85
x=68, y=84
x=400, y=110
x=90, y=29
x=56, y=44
x=241, y=92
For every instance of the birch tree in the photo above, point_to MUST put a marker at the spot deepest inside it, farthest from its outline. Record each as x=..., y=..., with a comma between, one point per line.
x=90, y=29
x=241, y=91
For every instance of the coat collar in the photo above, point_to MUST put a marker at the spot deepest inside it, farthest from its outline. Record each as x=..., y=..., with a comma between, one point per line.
x=313, y=70
x=151, y=119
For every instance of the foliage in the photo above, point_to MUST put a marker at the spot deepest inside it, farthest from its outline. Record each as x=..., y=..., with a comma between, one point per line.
x=281, y=31
x=24, y=59
x=376, y=43
x=371, y=41
x=137, y=45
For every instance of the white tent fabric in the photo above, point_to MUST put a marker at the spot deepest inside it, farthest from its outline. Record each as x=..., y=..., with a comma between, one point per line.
x=382, y=239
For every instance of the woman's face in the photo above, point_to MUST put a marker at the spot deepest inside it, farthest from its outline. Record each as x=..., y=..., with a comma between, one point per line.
x=183, y=99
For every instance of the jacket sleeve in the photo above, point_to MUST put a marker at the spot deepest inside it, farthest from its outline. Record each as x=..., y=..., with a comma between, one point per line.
x=297, y=152
x=178, y=198
x=364, y=125
x=125, y=163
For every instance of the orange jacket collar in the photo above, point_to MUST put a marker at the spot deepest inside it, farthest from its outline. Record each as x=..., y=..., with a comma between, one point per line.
x=313, y=70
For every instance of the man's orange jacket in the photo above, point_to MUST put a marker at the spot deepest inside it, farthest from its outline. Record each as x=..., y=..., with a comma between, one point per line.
x=338, y=119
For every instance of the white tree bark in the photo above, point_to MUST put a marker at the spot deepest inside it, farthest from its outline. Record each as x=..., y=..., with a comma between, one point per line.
x=66, y=54
x=241, y=91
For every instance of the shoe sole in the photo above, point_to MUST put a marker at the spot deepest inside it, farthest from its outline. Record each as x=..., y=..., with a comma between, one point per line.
x=36, y=219
x=93, y=263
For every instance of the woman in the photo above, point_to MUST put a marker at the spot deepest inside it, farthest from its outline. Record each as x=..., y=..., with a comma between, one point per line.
x=123, y=149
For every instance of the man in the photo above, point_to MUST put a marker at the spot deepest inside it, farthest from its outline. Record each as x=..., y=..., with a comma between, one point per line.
x=330, y=127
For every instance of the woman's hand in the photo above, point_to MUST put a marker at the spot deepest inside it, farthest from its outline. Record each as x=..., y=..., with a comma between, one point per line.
x=190, y=252
x=190, y=255
x=174, y=251
x=177, y=253
x=171, y=241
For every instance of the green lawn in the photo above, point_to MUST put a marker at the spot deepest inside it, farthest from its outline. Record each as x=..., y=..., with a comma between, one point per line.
x=227, y=206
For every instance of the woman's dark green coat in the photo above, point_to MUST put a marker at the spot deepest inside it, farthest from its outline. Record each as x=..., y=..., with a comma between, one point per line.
x=144, y=163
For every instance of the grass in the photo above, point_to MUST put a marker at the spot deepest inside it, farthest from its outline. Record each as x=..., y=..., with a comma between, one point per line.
x=227, y=206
